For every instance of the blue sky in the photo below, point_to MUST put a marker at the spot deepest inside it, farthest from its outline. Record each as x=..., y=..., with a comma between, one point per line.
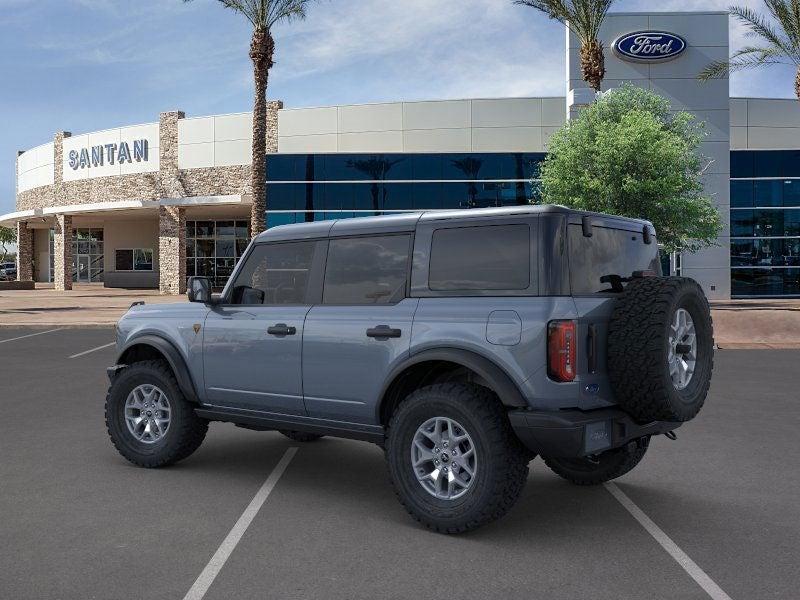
x=84, y=65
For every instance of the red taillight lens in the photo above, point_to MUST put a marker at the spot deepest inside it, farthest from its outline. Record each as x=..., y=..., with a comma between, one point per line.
x=561, y=342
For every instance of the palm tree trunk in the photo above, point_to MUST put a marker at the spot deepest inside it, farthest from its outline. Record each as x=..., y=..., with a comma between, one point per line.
x=262, y=48
x=797, y=84
x=593, y=64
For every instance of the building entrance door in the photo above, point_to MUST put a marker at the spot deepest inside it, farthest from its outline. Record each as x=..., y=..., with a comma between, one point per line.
x=87, y=255
x=83, y=269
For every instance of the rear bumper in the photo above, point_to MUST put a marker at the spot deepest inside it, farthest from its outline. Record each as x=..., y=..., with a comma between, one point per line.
x=575, y=433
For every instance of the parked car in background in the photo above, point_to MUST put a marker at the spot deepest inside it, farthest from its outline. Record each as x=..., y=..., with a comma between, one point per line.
x=8, y=271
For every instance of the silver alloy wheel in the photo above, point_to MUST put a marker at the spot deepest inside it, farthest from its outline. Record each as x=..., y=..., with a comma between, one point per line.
x=443, y=458
x=682, y=351
x=147, y=413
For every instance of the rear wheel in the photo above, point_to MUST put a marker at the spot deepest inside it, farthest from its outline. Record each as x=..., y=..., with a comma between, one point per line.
x=300, y=436
x=149, y=420
x=593, y=470
x=454, y=461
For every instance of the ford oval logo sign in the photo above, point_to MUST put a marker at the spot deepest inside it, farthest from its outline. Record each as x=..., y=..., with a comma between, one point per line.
x=649, y=46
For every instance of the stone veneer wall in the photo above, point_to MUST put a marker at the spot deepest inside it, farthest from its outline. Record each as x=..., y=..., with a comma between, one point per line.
x=62, y=251
x=169, y=177
x=24, y=252
x=217, y=181
x=171, y=250
x=273, y=106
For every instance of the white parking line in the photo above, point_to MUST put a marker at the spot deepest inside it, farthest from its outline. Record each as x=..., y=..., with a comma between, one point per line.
x=206, y=578
x=22, y=337
x=694, y=571
x=85, y=352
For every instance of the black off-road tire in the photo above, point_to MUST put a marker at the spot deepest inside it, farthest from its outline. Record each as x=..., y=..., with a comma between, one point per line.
x=502, y=467
x=638, y=347
x=186, y=430
x=601, y=468
x=300, y=436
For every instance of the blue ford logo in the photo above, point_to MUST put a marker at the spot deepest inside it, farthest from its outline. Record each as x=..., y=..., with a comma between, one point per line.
x=649, y=46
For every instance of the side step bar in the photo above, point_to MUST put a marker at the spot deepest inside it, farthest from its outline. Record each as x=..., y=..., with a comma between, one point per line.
x=265, y=420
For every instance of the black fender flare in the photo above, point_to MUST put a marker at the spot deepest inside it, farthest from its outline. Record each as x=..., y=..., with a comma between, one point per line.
x=497, y=379
x=176, y=362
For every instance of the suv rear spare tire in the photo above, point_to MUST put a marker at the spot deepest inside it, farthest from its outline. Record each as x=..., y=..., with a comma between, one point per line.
x=661, y=349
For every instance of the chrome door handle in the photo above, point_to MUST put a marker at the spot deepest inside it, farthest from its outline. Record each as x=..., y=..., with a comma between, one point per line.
x=383, y=331
x=281, y=329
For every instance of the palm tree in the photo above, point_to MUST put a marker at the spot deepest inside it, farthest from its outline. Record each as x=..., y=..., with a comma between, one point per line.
x=780, y=42
x=262, y=15
x=584, y=19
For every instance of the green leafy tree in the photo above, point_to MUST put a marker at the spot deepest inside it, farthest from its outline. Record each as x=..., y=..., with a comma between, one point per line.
x=584, y=19
x=263, y=15
x=8, y=236
x=778, y=40
x=628, y=155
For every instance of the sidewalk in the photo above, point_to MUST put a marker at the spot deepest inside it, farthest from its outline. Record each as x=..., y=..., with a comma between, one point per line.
x=757, y=323
x=737, y=323
x=87, y=305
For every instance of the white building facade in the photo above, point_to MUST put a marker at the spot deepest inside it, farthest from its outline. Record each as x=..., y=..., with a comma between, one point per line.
x=149, y=205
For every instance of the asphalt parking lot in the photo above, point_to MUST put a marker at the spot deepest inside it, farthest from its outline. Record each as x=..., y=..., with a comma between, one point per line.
x=78, y=521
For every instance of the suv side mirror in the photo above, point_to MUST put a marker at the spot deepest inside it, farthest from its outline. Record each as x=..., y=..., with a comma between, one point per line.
x=198, y=289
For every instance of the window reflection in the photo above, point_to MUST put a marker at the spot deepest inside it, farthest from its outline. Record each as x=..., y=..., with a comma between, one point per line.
x=404, y=167
x=765, y=242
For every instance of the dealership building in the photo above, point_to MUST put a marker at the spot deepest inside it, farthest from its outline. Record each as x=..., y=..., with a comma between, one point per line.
x=148, y=205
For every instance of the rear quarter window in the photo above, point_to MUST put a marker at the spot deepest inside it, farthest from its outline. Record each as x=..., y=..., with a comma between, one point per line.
x=489, y=257
x=607, y=252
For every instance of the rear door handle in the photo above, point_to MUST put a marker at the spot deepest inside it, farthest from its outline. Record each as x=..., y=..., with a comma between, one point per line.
x=383, y=331
x=281, y=329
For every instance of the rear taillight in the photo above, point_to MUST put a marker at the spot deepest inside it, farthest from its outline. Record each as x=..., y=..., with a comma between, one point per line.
x=561, y=342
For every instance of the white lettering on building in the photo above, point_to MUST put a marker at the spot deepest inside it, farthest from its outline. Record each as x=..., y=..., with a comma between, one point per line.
x=97, y=156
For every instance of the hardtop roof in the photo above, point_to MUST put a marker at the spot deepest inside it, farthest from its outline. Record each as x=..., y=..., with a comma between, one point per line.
x=402, y=222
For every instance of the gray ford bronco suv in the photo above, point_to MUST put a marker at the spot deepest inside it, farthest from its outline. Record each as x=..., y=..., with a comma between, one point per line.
x=465, y=343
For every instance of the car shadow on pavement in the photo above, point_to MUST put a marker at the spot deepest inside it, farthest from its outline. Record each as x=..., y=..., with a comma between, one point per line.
x=353, y=477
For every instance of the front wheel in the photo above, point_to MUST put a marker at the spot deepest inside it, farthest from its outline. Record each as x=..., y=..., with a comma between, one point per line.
x=453, y=458
x=149, y=420
x=593, y=470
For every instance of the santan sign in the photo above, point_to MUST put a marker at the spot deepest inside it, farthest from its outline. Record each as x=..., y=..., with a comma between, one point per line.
x=649, y=46
x=97, y=156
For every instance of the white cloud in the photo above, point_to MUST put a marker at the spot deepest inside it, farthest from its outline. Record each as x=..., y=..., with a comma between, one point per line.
x=420, y=48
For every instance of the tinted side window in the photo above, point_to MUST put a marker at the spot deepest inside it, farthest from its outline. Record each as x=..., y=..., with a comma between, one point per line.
x=607, y=252
x=366, y=270
x=275, y=274
x=492, y=257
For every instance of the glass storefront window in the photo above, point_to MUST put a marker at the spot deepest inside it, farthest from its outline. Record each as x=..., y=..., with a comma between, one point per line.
x=765, y=223
x=765, y=282
x=761, y=252
x=768, y=192
x=402, y=167
x=214, y=247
